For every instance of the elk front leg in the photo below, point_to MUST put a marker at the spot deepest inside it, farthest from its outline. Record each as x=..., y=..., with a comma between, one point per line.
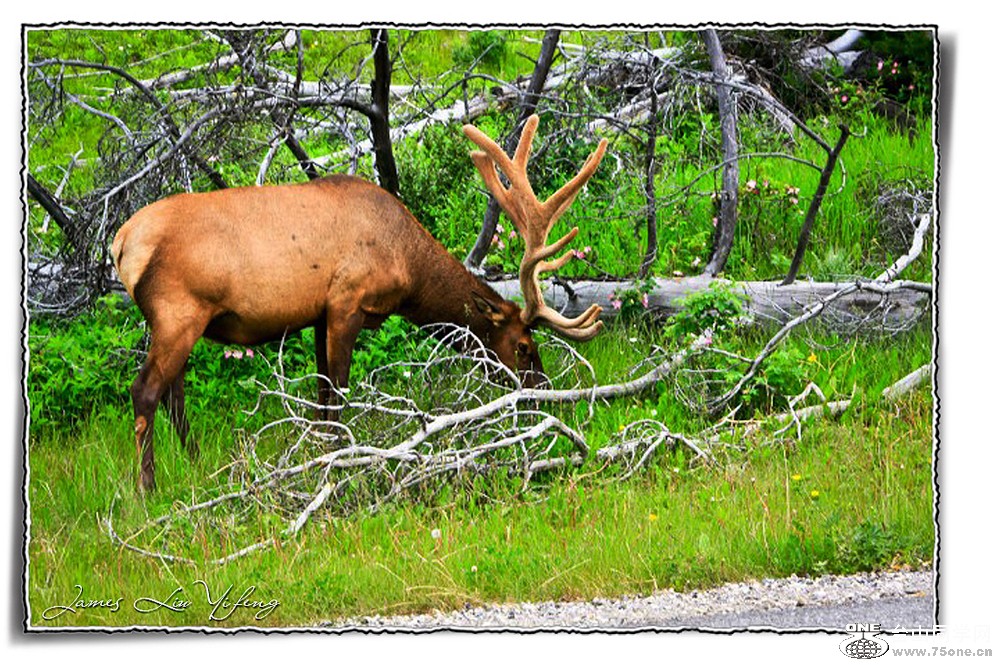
x=322, y=372
x=342, y=328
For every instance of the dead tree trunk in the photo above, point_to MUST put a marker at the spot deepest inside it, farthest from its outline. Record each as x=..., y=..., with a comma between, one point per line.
x=385, y=162
x=651, y=169
x=725, y=227
x=833, y=154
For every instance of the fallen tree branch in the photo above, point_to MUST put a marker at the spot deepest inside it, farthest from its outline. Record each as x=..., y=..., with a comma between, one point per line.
x=908, y=383
x=814, y=309
x=836, y=52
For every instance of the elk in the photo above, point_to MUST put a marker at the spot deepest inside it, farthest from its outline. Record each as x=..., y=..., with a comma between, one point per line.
x=252, y=264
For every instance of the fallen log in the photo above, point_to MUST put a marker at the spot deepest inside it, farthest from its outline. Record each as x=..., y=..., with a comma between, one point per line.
x=893, y=305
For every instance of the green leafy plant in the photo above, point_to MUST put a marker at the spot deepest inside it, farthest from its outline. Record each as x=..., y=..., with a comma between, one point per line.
x=633, y=301
x=77, y=364
x=782, y=375
x=869, y=546
x=718, y=308
x=436, y=182
x=770, y=214
x=904, y=66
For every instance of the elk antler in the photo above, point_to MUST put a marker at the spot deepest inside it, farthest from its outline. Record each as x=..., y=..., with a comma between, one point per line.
x=534, y=220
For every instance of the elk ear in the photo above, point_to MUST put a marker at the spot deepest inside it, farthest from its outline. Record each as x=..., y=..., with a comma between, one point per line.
x=491, y=311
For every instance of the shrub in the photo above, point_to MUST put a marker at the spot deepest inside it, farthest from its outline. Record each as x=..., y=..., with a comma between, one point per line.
x=718, y=308
x=486, y=49
x=436, y=183
x=78, y=364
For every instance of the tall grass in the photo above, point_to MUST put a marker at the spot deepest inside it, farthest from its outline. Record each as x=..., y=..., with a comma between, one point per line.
x=850, y=496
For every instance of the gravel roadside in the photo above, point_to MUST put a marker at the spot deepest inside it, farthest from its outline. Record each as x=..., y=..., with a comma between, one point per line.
x=772, y=601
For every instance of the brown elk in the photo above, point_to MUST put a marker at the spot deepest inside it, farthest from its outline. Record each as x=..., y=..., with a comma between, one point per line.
x=250, y=265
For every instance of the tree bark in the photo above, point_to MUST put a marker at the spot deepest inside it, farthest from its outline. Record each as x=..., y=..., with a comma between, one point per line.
x=529, y=102
x=725, y=227
x=650, y=186
x=385, y=161
x=833, y=154
x=55, y=211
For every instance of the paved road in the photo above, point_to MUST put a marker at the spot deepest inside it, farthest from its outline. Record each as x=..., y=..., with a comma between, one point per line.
x=896, y=600
x=899, y=613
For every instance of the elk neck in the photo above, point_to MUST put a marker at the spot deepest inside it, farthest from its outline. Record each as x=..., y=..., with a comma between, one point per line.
x=443, y=291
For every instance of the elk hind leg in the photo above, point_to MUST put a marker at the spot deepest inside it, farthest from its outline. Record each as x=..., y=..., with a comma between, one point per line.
x=169, y=349
x=173, y=400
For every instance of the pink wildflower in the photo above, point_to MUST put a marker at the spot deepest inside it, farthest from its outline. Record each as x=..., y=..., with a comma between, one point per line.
x=249, y=353
x=237, y=355
x=617, y=304
x=645, y=300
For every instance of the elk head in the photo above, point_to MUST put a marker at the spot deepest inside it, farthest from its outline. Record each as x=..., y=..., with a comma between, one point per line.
x=534, y=220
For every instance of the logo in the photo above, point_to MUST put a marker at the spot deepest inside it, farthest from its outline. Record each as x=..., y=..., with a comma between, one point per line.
x=864, y=642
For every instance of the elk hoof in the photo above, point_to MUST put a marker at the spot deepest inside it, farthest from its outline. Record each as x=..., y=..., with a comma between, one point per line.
x=147, y=483
x=192, y=448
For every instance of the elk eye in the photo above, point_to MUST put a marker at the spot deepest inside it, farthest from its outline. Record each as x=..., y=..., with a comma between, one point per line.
x=522, y=348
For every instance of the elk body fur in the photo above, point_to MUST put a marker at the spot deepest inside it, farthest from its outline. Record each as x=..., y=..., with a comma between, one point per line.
x=250, y=265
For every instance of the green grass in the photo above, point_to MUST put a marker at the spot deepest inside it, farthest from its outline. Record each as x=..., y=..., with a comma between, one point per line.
x=853, y=494
x=575, y=539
